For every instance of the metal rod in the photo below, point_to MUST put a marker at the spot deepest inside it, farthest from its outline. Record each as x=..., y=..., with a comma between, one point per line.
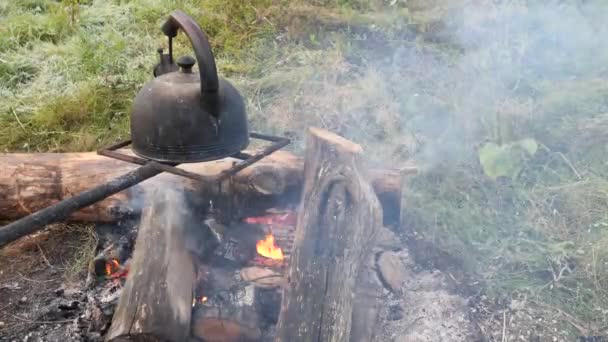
x=119, y=145
x=181, y=172
x=268, y=137
x=242, y=156
x=123, y=157
x=279, y=143
x=65, y=208
x=170, y=50
x=159, y=166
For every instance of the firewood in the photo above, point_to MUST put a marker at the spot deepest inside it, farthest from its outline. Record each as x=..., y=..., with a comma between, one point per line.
x=366, y=303
x=337, y=221
x=225, y=308
x=225, y=325
x=33, y=181
x=156, y=302
x=261, y=277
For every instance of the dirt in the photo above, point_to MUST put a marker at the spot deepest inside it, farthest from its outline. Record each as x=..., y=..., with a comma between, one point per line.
x=44, y=297
x=32, y=271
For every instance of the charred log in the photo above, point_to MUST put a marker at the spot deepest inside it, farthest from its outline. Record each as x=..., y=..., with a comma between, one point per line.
x=225, y=307
x=338, y=218
x=156, y=302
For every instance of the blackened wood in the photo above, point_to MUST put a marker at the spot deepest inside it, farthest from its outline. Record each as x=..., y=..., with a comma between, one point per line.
x=156, y=302
x=228, y=312
x=32, y=181
x=337, y=220
x=230, y=321
x=366, y=302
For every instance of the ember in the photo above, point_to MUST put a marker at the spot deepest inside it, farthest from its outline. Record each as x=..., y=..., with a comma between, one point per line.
x=112, y=266
x=115, y=270
x=268, y=249
x=200, y=300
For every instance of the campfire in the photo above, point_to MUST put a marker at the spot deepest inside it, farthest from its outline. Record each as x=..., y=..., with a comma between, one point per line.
x=190, y=265
x=228, y=266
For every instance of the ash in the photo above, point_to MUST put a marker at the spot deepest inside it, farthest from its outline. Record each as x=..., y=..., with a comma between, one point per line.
x=414, y=303
x=424, y=308
x=75, y=310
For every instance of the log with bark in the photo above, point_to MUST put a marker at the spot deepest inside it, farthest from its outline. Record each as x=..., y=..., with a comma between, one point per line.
x=30, y=182
x=156, y=301
x=337, y=221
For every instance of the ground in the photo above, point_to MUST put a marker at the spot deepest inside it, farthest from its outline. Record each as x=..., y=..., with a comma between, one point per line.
x=34, y=271
x=501, y=104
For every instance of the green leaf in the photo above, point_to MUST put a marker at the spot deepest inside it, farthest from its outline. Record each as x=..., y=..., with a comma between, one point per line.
x=506, y=160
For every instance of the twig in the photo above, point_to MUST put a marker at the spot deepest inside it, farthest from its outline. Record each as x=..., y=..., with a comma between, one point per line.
x=41, y=322
x=504, y=326
x=561, y=272
x=569, y=318
x=44, y=256
x=567, y=161
x=34, y=280
x=18, y=121
x=50, y=132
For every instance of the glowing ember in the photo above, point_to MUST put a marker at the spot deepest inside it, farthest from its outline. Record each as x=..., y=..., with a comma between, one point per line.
x=112, y=266
x=268, y=249
x=201, y=300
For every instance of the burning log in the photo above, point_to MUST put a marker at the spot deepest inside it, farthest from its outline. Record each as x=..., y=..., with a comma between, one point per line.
x=338, y=218
x=156, y=302
x=235, y=304
x=30, y=182
x=227, y=311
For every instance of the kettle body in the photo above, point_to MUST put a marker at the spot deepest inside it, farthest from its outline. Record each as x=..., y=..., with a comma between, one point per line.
x=183, y=116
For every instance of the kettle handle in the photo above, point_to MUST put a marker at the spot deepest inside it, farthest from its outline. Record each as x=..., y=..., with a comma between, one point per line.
x=200, y=44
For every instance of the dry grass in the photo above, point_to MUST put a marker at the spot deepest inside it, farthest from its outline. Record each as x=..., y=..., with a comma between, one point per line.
x=65, y=248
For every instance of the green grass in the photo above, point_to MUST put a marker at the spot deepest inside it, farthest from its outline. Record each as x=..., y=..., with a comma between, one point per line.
x=433, y=80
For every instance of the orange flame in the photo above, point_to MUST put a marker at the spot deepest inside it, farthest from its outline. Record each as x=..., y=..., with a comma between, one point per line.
x=112, y=266
x=268, y=249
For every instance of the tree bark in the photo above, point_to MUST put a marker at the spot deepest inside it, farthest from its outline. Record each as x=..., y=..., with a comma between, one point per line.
x=156, y=302
x=366, y=303
x=337, y=220
x=30, y=182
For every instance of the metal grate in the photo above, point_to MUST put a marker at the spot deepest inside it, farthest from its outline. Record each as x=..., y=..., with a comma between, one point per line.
x=246, y=159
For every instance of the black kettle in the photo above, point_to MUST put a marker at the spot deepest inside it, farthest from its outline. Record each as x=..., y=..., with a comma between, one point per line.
x=182, y=116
